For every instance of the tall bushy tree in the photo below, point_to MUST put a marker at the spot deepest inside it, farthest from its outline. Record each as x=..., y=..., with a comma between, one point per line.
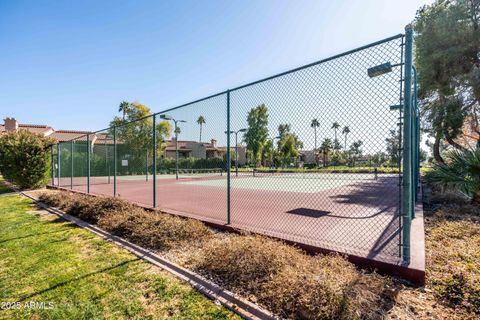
x=25, y=158
x=257, y=131
x=135, y=130
x=447, y=54
x=288, y=144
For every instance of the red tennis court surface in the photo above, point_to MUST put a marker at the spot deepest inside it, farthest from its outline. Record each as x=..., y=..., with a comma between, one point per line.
x=357, y=217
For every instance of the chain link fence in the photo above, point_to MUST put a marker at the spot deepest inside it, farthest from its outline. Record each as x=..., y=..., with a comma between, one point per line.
x=316, y=155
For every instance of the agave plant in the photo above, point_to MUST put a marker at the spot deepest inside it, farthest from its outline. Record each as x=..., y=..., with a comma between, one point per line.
x=461, y=172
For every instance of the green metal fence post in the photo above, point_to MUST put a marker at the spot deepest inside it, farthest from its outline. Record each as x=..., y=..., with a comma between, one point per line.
x=417, y=137
x=71, y=163
x=53, y=166
x=146, y=164
x=114, y=161
x=407, y=147
x=228, y=159
x=154, y=176
x=58, y=164
x=88, y=163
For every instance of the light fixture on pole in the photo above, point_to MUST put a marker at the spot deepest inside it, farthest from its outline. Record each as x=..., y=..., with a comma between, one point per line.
x=175, y=121
x=236, y=146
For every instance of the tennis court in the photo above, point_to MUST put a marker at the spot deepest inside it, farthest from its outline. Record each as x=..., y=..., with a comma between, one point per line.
x=324, y=210
x=308, y=131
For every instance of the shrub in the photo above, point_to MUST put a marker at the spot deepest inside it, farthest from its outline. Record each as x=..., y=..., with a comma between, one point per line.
x=25, y=158
x=153, y=230
x=244, y=262
x=149, y=229
x=56, y=199
x=92, y=209
x=460, y=173
x=313, y=290
x=290, y=283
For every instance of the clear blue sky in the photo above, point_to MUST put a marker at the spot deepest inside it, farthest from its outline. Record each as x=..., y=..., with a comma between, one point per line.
x=69, y=63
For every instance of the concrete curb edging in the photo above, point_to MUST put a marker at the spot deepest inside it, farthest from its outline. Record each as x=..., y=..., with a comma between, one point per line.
x=211, y=290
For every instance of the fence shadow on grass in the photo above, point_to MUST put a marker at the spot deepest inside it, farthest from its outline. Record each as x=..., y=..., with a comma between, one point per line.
x=61, y=284
x=31, y=235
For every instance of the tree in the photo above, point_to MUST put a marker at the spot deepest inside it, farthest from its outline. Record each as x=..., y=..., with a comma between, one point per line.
x=355, y=151
x=460, y=172
x=135, y=130
x=447, y=54
x=288, y=144
x=326, y=147
x=124, y=108
x=25, y=158
x=257, y=131
x=315, y=124
x=201, y=122
x=378, y=158
x=268, y=152
x=393, y=148
x=346, y=131
x=283, y=129
x=335, y=127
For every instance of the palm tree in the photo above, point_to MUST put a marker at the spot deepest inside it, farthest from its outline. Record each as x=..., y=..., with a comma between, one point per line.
x=315, y=124
x=326, y=147
x=461, y=172
x=355, y=150
x=124, y=107
x=335, y=126
x=201, y=122
x=346, y=131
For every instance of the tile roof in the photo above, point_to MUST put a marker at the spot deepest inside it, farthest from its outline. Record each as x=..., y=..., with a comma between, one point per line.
x=66, y=135
x=35, y=128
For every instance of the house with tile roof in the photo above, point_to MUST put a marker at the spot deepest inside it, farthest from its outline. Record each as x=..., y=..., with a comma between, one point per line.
x=186, y=148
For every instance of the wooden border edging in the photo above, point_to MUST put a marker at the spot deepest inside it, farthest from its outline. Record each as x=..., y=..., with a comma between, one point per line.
x=211, y=290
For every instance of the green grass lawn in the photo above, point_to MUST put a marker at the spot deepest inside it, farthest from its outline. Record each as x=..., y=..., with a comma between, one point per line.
x=69, y=273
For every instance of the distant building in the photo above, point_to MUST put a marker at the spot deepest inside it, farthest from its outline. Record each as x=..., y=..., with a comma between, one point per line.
x=307, y=157
x=186, y=149
x=11, y=124
x=202, y=150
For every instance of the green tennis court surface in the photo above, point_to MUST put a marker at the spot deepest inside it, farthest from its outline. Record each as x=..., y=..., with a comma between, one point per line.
x=288, y=182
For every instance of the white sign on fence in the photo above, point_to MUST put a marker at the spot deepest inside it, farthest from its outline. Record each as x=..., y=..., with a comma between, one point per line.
x=124, y=163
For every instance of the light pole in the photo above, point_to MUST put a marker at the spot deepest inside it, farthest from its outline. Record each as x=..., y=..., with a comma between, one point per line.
x=273, y=139
x=236, y=147
x=175, y=121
